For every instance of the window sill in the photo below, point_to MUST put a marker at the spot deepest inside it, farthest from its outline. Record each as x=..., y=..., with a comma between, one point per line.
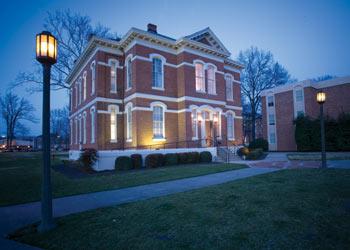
x=128, y=140
x=126, y=90
x=156, y=88
x=200, y=91
x=113, y=92
x=158, y=139
x=114, y=141
x=230, y=100
x=231, y=139
x=194, y=138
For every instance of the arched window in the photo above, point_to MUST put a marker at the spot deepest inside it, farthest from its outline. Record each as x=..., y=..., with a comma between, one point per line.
x=129, y=121
x=76, y=94
x=200, y=80
x=80, y=89
x=114, y=65
x=93, y=77
x=71, y=131
x=158, y=122
x=113, y=123
x=71, y=99
x=76, y=130
x=230, y=126
x=194, y=124
x=92, y=115
x=84, y=86
x=229, y=88
x=211, y=79
x=157, y=73
x=129, y=73
x=84, y=128
x=80, y=131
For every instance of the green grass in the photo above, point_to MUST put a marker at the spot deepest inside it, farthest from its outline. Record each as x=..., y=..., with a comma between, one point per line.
x=289, y=209
x=315, y=156
x=20, y=178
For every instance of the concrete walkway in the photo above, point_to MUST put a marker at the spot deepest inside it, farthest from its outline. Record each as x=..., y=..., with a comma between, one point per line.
x=14, y=217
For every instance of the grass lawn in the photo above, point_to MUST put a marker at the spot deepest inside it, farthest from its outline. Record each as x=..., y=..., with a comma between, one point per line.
x=316, y=156
x=289, y=209
x=20, y=178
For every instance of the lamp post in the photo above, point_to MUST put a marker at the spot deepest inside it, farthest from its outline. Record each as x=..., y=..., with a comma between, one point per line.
x=321, y=98
x=46, y=54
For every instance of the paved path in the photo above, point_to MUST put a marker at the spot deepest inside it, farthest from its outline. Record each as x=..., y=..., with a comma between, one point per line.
x=14, y=217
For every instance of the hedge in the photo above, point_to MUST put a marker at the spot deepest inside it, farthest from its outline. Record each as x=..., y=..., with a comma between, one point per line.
x=255, y=154
x=170, y=159
x=154, y=160
x=259, y=143
x=205, y=157
x=136, y=160
x=123, y=163
x=88, y=157
x=307, y=133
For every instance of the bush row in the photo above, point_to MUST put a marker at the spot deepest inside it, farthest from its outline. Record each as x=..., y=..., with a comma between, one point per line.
x=250, y=154
x=158, y=160
x=307, y=133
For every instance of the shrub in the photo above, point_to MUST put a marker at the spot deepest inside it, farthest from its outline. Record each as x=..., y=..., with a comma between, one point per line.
x=154, y=160
x=194, y=157
x=259, y=143
x=88, y=157
x=243, y=151
x=182, y=158
x=205, y=156
x=123, y=163
x=170, y=159
x=255, y=154
x=136, y=161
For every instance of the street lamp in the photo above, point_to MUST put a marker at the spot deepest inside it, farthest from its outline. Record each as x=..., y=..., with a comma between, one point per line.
x=321, y=99
x=46, y=54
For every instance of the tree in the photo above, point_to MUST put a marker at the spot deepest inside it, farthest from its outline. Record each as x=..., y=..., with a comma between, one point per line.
x=323, y=78
x=261, y=72
x=14, y=110
x=59, y=119
x=73, y=32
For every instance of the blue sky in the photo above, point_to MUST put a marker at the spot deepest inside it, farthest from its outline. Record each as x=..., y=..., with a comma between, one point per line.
x=310, y=38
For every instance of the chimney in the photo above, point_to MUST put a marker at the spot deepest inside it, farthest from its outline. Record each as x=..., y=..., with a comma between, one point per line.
x=152, y=28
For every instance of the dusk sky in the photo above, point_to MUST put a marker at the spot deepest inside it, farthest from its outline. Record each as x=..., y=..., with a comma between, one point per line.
x=309, y=38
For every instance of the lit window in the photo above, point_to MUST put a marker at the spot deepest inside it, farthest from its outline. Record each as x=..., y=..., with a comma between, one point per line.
x=299, y=95
x=113, y=77
x=272, y=138
x=194, y=123
x=157, y=73
x=270, y=102
x=271, y=119
x=217, y=119
x=229, y=88
x=80, y=131
x=92, y=113
x=93, y=77
x=113, y=124
x=211, y=80
x=200, y=81
x=158, y=122
x=84, y=86
x=129, y=74
x=129, y=122
x=230, y=126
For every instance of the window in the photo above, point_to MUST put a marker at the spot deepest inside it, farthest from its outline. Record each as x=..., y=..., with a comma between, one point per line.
x=211, y=80
x=71, y=99
x=272, y=138
x=200, y=81
x=129, y=122
x=157, y=73
x=93, y=77
x=71, y=131
x=80, y=89
x=230, y=127
x=271, y=119
x=92, y=113
x=270, y=102
x=229, y=88
x=76, y=130
x=76, y=94
x=217, y=118
x=300, y=113
x=299, y=95
x=158, y=122
x=84, y=86
x=113, y=76
x=194, y=123
x=129, y=74
x=80, y=130
x=84, y=128
x=113, y=124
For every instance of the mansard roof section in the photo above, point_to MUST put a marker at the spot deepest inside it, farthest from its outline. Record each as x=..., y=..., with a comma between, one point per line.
x=208, y=37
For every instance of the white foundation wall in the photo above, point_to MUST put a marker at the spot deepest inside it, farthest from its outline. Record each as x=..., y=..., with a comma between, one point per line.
x=106, y=158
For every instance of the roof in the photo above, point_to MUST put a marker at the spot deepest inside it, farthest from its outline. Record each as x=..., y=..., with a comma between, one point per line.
x=307, y=83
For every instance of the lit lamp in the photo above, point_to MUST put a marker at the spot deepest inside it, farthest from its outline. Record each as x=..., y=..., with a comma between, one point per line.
x=199, y=117
x=321, y=99
x=46, y=54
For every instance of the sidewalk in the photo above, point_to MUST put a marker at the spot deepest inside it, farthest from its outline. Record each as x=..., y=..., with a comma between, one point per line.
x=14, y=217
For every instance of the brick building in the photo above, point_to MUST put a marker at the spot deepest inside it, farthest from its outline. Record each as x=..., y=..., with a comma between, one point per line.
x=149, y=89
x=281, y=105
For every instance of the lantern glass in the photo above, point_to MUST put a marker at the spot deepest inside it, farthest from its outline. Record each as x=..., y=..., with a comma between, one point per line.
x=321, y=97
x=46, y=48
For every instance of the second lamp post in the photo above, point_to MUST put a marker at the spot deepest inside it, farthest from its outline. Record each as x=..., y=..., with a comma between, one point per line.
x=321, y=98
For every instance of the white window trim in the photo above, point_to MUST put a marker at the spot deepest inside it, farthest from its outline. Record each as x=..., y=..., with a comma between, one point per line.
x=110, y=62
x=80, y=130
x=233, y=124
x=298, y=105
x=207, y=65
x=71, y=131
x=164, y=108
x=76, y=94
x=128, y=130
x=93, y=77
x=271, y=128
x=116, y=107
x=84, y=85
x=197, y=61
x=163, y=59
x=127, y=59
x=93, y=118
x=84, y=127
x=195, y=137
x=229, y=80
x=76, y=129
